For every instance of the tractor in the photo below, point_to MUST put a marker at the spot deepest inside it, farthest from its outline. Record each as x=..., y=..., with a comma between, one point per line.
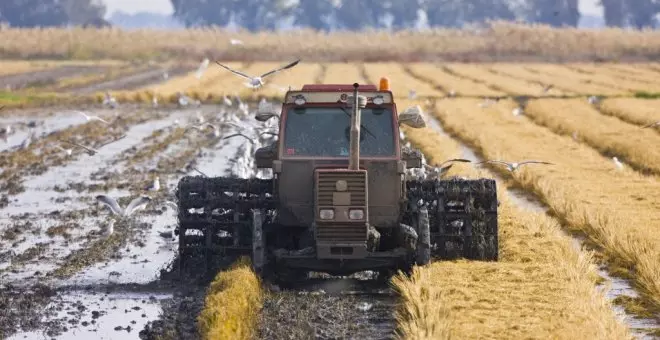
x=338, y=201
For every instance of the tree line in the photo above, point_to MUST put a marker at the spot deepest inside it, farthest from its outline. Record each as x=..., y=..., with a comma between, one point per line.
x=327, y=15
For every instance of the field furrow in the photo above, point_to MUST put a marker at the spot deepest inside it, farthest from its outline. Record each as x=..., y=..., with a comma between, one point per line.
x=623, y=78
x=561, y=85
x=632, y=110
x=505, y=84
x=541, y=286
x=401, y=82
x=614, y=208
x=343, y=73
x=609, y=135
x=215, y=77
x=633, y=72
x=450, y=81
x=616, y=86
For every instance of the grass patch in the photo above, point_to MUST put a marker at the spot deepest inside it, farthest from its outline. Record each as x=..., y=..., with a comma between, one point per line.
x=647, y=95
x=232, y=304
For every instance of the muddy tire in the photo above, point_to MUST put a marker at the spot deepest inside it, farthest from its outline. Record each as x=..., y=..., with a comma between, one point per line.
x=423, y=249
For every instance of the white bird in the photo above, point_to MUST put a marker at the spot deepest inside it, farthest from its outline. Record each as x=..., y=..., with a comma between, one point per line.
x=154, y=101
x=216, y=130
x=28, y=140
x=235, y=42
x=412, y=94
x=200, y=118
x=135, y=205
x=593, y=100
x=89, y=118
x=68, y=152
x=440, y=170
x=109, y=228
x=202, y=68
x=91, y=151
x=5, y=132
x=488, y=102
x=171, y=205
x=227, y=101
x=110, y=100
x=547, y=88
x=517, y=111
x=618, y=163
x=514, y=166
x=575, y=136
x=651, y=125
x=452, y=93
x=155, y=185
x=257, y=82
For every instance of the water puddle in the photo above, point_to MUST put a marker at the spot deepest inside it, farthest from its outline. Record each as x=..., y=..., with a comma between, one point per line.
x=618, y=287
x=85, y=315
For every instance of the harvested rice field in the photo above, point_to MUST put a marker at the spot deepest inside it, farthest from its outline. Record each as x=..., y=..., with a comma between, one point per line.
x=578, y=240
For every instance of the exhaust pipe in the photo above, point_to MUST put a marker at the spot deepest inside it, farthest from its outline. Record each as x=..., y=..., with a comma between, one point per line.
x=358, y=103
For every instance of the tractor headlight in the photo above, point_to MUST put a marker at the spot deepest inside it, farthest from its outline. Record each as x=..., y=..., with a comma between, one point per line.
x=379, y=100
x=326, y=214
x=356, y=214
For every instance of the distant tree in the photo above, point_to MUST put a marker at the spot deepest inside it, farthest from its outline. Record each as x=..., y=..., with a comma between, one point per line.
x=404, y=12
x=357, y=15
x=555, y=13
x=456, y=13
x=85, y=12
x=641, y=13
x=312, y=13
x=613, y=12
x=203, y=12
x=32, y=13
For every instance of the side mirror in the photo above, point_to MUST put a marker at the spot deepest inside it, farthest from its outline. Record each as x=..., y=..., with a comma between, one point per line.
x=264, y=116
x=412, y=117
x=265, y=156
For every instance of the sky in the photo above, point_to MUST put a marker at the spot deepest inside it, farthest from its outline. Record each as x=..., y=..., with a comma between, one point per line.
x=165, y=7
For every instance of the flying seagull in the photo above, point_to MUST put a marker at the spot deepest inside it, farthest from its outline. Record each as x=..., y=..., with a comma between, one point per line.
x=91, y=151
x=442, y=169
x=547, y=88
x=257, y=82
x=135, y=205
x=618, y=163
x=514, y=166
x=202, y=68
x=651, y=125
x=88, y=117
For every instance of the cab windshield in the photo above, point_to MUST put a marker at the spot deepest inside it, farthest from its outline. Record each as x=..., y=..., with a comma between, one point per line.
x=325, y=132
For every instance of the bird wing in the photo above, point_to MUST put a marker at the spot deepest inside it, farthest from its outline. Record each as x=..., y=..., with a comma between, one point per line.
x=280, y=69
x=456, y=160
x=114, y=140
x=444, y=169
x=534, y=162
x=80, y=146
x=211, y=126
x=240, y=134
x=235, y=72
x=137, y=204
x=652, y=124
x=99, y=119
x=269, y=133
x=196, y=127
x=495, y=161
x=203, y=174
x=110, y=203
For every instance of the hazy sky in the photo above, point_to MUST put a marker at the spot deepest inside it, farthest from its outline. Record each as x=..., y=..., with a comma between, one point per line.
x=165, y=6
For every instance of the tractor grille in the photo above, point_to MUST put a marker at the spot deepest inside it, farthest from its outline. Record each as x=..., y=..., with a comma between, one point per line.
x=356, y=187
x=341, y=231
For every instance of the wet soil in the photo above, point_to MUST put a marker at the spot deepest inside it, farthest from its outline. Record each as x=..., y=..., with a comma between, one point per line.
x=46, y=77
x=132, y=81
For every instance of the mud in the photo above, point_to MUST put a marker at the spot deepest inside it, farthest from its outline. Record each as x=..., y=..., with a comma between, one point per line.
x=330, y=308
x=132, y=81
x=46, y=77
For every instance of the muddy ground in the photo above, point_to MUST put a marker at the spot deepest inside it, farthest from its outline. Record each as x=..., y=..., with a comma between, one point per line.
x=46, y=77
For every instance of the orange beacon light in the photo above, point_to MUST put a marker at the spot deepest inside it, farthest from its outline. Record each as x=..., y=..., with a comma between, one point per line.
x=384, y=84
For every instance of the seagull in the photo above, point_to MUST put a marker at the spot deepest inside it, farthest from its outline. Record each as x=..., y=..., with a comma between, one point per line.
x=154, y=101
x=412, y=94
x=593, y=100
x=235, y=42
x=452, y=93
x=68, y=152
x=618, y=163
x=28, y=140
x=109, y=100
x=202, y=68
x=488, y=102
x=184, y=100
x=441, y=170
x=652, y=125
x=155, y=186
x=89, y=118
x=109, y=228
x=514, y=166
x=5, y=132
x=547, y=88
x=171, y=205
x=216, y=130
x=227, y=101
x=575, y=136
x=135, y=205
x=518, y=111
x=91, y=151
x=257, y=82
